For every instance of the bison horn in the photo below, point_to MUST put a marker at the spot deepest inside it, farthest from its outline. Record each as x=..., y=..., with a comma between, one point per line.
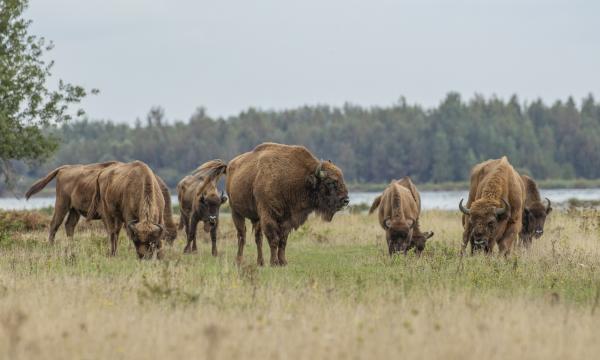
x=503, y=210
x=319, y=173
x=549, y=204
x=463, y=209
x=161, y=227
x=387, y=223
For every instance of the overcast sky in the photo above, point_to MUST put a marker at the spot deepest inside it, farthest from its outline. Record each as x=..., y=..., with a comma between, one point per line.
x=273, y=54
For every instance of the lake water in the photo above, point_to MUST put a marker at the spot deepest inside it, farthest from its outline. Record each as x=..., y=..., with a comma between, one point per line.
x=443, y=200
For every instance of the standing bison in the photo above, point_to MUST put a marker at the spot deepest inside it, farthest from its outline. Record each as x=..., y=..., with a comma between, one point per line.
x=399, y=210
x=495, y=207
x=199, y=200
x=277, y=186
x=534, y=212
x=75, y=185
x=130, y=194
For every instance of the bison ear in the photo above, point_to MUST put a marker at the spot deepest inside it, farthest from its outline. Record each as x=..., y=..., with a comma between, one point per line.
x=428, y=234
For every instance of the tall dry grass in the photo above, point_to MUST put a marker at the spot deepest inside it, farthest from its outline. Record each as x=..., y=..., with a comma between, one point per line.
x=340, y=297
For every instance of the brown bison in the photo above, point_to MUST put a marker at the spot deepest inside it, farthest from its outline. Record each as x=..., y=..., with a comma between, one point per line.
x=534, y=212
x=277, y=186
x=130, y=194
x=495, y=207
x=199, y=201
x=75, y=186
x=399, y=210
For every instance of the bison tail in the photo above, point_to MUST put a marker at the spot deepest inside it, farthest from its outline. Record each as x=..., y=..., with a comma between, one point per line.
x=210, y=171
x=41, y=183
x=375, y=205
x=219, y=166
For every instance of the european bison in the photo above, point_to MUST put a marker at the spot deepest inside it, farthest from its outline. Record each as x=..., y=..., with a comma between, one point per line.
x=75, y=185
x=277, y=186
x=199, y=201
x=534, y=212
x=130, y=194
x=495, y=207
x=399, y=210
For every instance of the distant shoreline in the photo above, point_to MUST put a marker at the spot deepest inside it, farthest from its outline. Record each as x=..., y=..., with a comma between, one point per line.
x=464, y=185
x=378, y=187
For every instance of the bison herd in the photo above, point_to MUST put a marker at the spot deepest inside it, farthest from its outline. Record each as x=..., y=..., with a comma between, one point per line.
x=277, y=187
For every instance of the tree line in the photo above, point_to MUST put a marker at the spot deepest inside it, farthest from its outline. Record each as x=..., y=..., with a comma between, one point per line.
x=371, y=145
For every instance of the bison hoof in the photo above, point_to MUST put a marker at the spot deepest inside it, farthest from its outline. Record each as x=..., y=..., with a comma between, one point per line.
x=260, y=262
x=214, y=252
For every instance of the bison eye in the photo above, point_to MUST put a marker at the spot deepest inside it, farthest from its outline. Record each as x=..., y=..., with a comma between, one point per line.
x=491, y=224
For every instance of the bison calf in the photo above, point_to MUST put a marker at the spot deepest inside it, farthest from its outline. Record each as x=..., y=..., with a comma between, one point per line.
x=534, y=213
x=399, y=211
x=199, y=201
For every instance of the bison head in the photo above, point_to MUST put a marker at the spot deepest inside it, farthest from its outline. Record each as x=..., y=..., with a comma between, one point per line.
x=329, y=189
x=209, y=205
x=402, y=235
x=483, y=219
x=147, y=238
x=419, y=239
x=534, y=218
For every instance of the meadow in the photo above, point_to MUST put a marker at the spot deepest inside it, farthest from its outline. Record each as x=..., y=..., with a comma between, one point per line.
x=340, y=297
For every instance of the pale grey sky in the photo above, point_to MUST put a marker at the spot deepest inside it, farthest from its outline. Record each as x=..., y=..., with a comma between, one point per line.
x=228, y=55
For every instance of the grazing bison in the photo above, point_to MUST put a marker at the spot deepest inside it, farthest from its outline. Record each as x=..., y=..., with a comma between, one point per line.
x=75, y=185
x=495, y=207
x=534, y=212
x=199, y=201
x=130, y=194
x=277, y=186
x=399, y=210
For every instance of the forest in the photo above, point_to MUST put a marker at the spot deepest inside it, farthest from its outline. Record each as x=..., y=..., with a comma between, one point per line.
x=371, y=144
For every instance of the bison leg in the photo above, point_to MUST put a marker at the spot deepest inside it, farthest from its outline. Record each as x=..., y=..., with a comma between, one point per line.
x=272, y=233
x=213, y=239
x=507, y=240
x=281, y=250
x=240, y=226
x=61, y=207
x=258, y=239
x=71, y=222
x=190, y=247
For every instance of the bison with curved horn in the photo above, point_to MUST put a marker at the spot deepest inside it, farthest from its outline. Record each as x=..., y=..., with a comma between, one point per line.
x=200, y=201
x=75, y=186
x=493, y=214
x=130, y=194
x=399, y=210
x=277, y=187
x=534, y=212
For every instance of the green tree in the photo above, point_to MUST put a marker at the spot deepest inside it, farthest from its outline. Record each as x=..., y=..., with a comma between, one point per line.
x=27, y=104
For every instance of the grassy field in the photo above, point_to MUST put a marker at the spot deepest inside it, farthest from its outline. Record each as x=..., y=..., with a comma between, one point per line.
x=340, y=297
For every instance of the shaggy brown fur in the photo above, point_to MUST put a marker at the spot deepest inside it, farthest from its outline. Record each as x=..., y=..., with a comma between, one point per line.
x=277, y=186
x=399, y=211
x=130, y=194
x=199, y=205
x=75, y=185
x=487, y=219
x=534, y=212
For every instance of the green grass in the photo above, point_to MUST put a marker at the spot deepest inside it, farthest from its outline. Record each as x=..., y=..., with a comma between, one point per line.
x=340, y=289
